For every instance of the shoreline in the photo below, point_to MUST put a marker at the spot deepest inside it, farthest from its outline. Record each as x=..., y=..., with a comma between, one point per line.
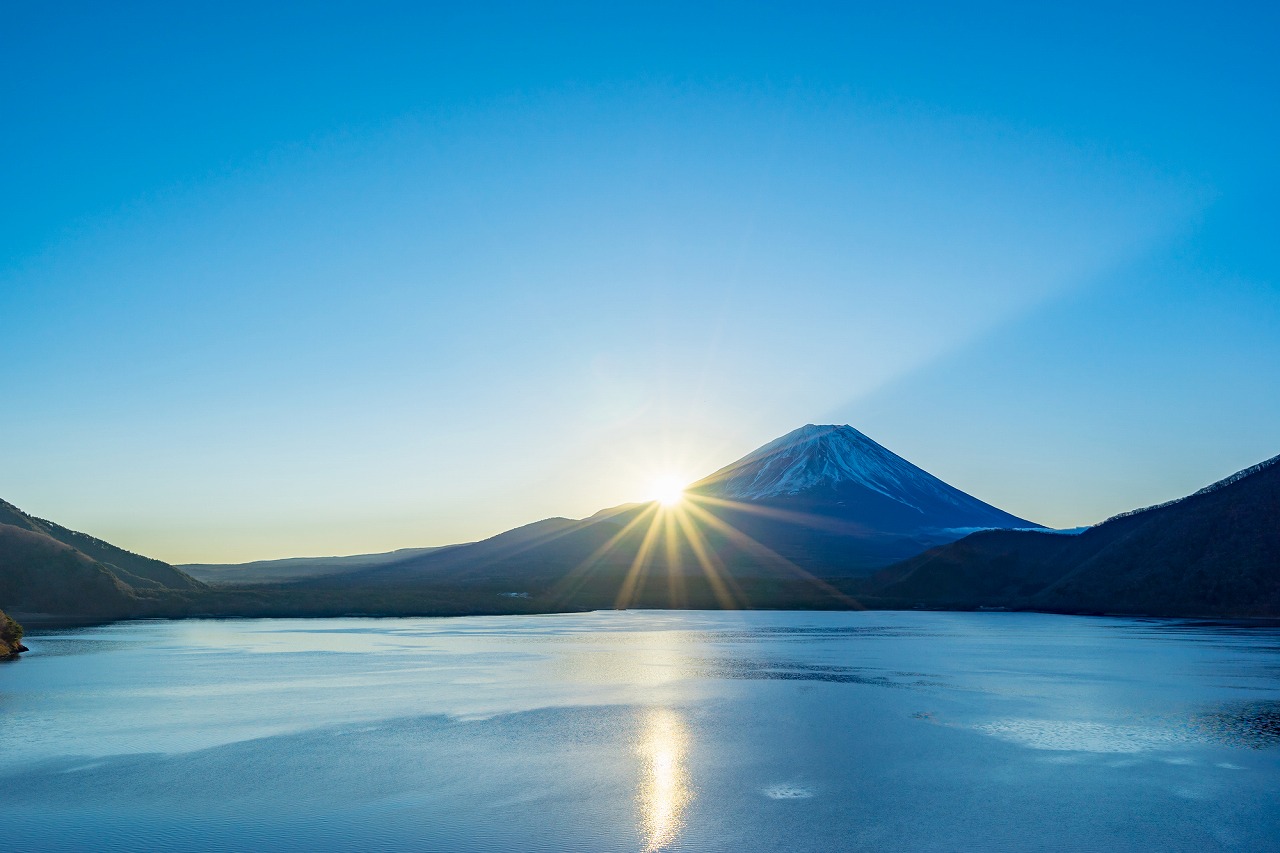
x=38, y=623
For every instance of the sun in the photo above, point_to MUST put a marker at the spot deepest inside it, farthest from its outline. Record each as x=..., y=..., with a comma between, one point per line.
x=667, y=490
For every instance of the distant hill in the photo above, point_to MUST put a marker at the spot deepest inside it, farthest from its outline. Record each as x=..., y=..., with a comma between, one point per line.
x=47, y=569
x=296, y=568
x=1213, y=553
x=516, y=556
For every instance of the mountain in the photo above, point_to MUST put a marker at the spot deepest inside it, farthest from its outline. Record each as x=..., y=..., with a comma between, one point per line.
x=836, y=471
x=821, y=501
x=134, y=569
x=821, y=518
x=1213, y=553
x=46, y=568
x=294, y=568
x=522, y=553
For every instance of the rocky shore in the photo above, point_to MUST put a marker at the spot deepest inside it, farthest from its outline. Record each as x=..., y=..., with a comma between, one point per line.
x=10, y=638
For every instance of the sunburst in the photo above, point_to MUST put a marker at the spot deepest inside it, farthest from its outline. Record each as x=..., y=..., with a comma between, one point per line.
x=668, y=490
x=680, y=533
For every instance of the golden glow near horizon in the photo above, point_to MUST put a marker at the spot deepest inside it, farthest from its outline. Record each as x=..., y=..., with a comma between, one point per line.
x=664, y=790
x=686, y=533
x=667, y=490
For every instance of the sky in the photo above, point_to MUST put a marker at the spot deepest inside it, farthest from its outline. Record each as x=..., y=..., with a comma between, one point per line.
x=334, y=278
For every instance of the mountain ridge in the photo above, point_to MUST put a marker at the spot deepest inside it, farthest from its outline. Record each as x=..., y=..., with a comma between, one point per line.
x=48, y=568
x=817, y=537
x=1215, y=552
x=827, y=506
x=143, y=571
x=286, y=569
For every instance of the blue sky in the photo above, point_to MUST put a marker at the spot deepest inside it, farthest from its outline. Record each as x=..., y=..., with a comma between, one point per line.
x=332, y=278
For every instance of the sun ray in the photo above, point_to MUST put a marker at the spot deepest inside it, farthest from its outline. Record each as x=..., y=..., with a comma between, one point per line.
x=634, y=574
x=535, y=541
x=566, y=586
x=675, y=569
x=807, y=519
x=724, y=588
x=751, y=546
x=665, y=526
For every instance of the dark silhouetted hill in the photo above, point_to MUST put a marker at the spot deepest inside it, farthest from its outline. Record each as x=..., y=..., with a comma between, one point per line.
x=47, y=569
x=39, y=574
x=1213, y=553
x=138, y=571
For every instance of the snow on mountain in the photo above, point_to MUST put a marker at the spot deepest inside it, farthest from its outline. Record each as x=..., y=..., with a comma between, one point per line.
x=814, y=456
x=841, y=462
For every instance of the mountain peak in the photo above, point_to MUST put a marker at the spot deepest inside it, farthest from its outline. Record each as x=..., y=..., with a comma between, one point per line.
x=838, y=465
x=813, y=456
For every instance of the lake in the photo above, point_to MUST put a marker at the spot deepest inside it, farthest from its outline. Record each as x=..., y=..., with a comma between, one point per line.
x=645, y=731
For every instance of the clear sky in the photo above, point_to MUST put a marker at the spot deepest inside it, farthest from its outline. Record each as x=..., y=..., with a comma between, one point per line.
x=333, y=278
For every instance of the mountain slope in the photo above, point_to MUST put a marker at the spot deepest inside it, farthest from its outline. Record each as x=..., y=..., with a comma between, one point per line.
x=1213, y=553
x=512, y=556
x=136, y=570
x=39, y=574
x=837, y=471
x=46, y=568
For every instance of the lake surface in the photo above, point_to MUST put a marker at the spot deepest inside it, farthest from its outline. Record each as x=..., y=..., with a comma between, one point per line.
x=645, y=731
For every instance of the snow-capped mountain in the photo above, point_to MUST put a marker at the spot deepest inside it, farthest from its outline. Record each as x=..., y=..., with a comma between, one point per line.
x=821, y=501
x=845, y=472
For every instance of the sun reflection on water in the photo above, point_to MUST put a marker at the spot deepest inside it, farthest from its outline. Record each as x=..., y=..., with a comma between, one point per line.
x=664, y=785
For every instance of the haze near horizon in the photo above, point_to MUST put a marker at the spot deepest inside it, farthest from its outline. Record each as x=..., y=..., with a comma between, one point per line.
x=333, y=279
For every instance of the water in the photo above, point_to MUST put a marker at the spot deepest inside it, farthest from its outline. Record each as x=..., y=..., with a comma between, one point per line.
x=645, y=731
